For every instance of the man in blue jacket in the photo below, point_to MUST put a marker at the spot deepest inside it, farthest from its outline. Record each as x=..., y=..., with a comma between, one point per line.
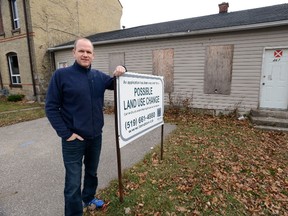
x=74, y=107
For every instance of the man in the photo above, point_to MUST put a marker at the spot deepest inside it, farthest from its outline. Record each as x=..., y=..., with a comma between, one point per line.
x=74, y=107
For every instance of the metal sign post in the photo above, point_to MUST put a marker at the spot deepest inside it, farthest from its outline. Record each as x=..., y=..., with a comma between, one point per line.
x=162, y=134
x=117, y=143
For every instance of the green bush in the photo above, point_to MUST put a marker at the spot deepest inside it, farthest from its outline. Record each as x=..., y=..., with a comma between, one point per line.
x=15, y=97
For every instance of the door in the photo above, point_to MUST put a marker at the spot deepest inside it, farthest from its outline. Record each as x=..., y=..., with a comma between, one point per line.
x=274, y=79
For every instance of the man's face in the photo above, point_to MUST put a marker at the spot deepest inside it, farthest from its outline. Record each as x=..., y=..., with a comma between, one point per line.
x=83, y=53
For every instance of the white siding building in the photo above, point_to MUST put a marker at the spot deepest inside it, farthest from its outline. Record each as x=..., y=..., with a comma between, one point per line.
x=220, y=62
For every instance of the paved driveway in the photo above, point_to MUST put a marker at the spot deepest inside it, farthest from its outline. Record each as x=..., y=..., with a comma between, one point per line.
x=32, y=171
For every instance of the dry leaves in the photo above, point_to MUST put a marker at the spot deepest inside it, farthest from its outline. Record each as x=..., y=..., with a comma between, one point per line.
x=236, y=162
x=212, y=166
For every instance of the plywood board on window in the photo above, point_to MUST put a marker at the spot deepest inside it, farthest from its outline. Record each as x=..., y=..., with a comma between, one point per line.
x=163, y=65
x=218, y=69
x=115, y=59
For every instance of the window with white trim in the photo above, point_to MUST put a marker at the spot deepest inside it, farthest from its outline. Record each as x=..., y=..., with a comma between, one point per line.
x=62, y=64
x=15, y=15
x=14, y=69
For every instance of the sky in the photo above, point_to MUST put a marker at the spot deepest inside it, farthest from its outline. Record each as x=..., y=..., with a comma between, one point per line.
x=143, y=12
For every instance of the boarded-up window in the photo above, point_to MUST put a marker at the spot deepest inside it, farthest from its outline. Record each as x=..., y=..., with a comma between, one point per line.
x=163, y=65
x=115, y=59
x=218, y=69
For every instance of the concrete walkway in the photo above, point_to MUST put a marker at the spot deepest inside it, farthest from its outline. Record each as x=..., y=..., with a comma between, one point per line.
x=32, y=171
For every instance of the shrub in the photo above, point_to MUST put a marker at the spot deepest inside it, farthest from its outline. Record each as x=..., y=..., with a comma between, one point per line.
x=15, y=97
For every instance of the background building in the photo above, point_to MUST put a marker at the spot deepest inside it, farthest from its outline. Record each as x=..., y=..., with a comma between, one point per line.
x=221, y=62
x=29, y=27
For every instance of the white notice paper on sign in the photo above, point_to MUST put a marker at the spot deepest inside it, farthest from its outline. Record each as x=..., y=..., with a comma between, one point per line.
x=140, y=106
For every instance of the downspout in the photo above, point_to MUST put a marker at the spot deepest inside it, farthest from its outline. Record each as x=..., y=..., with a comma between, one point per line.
x=53, y=62
x=29, y=48
x=1, y=83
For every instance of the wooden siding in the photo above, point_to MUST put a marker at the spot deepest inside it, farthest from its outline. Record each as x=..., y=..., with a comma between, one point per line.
x=189, y=61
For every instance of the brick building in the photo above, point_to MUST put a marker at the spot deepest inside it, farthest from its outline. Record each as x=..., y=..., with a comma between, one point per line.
x=29, y=27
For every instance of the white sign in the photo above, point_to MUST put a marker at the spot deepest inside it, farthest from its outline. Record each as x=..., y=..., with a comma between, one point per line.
x=140, y=105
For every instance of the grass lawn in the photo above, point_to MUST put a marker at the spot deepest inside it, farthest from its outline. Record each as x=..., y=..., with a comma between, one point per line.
x=10, y=112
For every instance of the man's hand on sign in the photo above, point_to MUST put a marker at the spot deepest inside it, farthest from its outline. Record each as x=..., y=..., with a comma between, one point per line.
x=119, y=70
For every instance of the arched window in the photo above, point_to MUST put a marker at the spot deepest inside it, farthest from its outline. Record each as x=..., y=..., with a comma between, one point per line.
x=14, y=68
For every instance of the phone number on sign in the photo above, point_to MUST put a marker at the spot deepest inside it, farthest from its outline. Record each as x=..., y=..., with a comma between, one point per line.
x=139, y=121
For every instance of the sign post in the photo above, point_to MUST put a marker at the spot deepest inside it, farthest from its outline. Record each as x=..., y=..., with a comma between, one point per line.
x=117, y=145
x=139, y=108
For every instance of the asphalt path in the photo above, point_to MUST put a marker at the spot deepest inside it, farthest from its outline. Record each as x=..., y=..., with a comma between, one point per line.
x=32, y=171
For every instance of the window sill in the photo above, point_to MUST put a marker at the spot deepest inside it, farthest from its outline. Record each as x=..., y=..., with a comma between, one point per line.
x=18, y=30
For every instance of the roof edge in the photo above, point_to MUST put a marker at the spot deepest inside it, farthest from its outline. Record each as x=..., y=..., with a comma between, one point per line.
x=180, y=34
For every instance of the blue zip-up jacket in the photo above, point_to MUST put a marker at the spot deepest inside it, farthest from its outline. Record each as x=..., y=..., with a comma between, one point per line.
x=74, y=101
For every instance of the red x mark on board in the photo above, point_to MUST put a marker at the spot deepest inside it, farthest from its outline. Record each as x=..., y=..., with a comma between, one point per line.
x=278, y=53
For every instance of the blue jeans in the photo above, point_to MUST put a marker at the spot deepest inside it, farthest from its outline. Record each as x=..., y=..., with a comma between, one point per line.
x=73, y=154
